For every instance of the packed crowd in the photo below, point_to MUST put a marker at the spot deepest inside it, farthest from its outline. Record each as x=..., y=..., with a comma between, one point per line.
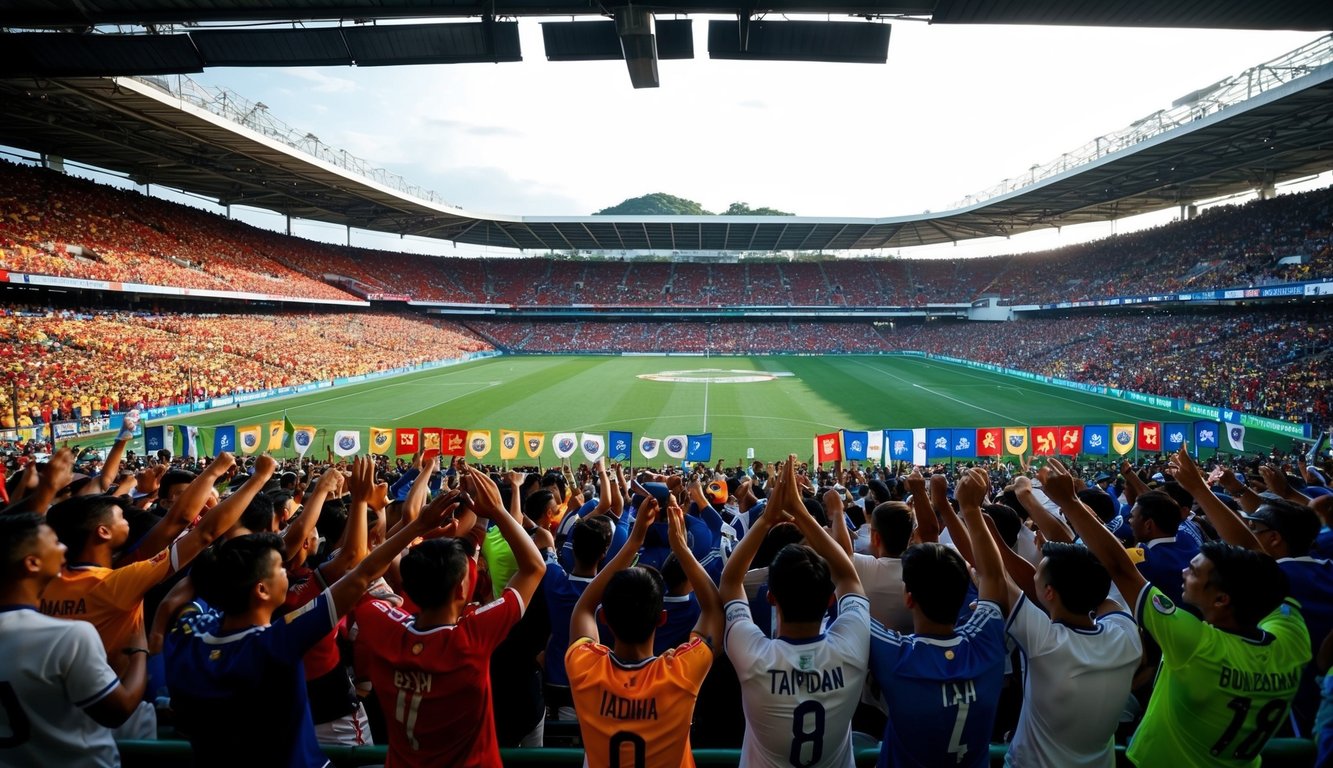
x=59, y=225
x=67, y=365
x=689, y=337
x=264, y=609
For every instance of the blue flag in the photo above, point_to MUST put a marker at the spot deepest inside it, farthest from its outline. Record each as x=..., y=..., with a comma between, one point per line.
x=899, y=444
x=1205, y=434
x=700, y=447
x=224, y=439
x=938, y=443
x=1097, y=439
x=1174, y=435
x=965, y=443
x=155, y=438
x=618, y=445
x=854, y=445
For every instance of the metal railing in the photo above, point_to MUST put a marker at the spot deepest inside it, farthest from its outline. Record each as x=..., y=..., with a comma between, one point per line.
x=255, y=116
x=1219, y=96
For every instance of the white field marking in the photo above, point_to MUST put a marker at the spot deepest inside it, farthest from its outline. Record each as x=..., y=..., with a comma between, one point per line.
x=619, y=422
x=1010, y=419
x=705, y=429
x=424, y=379
x=488, y=384
x=1044, y=393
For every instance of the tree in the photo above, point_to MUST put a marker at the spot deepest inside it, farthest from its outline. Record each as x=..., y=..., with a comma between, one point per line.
x=655, y=204
x=744, y=209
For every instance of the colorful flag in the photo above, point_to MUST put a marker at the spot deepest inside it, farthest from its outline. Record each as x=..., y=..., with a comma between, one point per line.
x=1122, y=438
x=898, y=442
x=919, y=446
x=964, y=445
x=1205, y=434
x=938, y=444
x=288, y=429
x=594, y=446
x=1096, y=439
x=990, y=441
x=381, y=440
x=275, y=433
x=249, y=438
x=304, y=437
x=828, y=447
x=875, y=446
x=1071, y=440
x=479, y=443
x=1176, y=435
x=453, y=442
x=565, y=443
x=186, y=441
x=406, y=440
x=1016, y=440
x=1236, y=436
x=508, y=445
x=1150, y=436
x=212, y=438
x=855, y=444
x=533, y=442
x=1044, y=442
x=347, y=442
x=431, y=441
x=675, y=446
x=648, y=447
x=619, y=445
x=701, y=447
x=155, y=438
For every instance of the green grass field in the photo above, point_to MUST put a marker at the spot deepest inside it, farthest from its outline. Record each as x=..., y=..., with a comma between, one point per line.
x=775, y=417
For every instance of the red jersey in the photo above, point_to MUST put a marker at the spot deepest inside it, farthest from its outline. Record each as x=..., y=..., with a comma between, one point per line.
x=306, y=584
x=434, y=685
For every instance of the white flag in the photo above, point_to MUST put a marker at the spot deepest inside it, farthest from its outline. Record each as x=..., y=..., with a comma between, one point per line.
x=674, y=445
x=919, y=447
x=593, y=446
x=648, y=447
x=564, y=444
x=1236, y=436
x=190, y=442
x=347, y=442
x=875, y=447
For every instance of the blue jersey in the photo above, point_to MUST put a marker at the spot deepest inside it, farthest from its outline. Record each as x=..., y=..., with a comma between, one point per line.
x=941, y=692
x=656, y=546
x=682, y=614
x=1163, y=561
x=241, y=696
x=562, y=593
x=565, y=534
x=1311, y=582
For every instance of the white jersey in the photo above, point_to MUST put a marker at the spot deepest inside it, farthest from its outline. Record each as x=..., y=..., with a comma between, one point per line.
x=50, y=670
x=1077, y=683
x=882, y=578
x=799, y=696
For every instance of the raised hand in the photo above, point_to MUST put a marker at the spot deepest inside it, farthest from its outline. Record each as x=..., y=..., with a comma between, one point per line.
x=58, y=471
x=971, y=489
x=362, y=482
x=484, y=492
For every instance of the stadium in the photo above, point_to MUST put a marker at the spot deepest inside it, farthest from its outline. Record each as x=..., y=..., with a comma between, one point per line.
x=216, y=327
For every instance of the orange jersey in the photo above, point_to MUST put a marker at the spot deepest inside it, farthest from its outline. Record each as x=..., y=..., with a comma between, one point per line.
x=109, y=599
x=636, y=715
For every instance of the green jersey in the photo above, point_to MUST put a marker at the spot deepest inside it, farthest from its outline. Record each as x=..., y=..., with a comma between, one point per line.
x=500, y=560
x=1219, y=696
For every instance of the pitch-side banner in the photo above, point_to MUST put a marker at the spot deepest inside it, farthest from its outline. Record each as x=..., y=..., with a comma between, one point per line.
x=347, y=442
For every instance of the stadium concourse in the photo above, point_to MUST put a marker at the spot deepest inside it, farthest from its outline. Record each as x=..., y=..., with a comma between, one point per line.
x=1191, y=627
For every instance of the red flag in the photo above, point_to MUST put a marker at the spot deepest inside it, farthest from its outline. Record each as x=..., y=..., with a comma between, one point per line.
x=454, y=442
x=431, y=440
x=1043, y=441
x=1071, y=441
x=406, y=440
x=1150, y=436
x=828, y=447
x=990, y=441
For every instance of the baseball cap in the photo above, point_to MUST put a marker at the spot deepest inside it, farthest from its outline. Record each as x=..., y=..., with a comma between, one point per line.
x=1102, y=476
x=1297, y=525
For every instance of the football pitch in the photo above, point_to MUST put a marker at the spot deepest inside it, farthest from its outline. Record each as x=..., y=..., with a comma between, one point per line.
x=773, y=405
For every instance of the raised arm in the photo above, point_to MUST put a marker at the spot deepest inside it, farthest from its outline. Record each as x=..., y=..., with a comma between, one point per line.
x=710, y=623
x=355, y=540
x=1103, y=544
x=300, y=529
x=110, y=470
x=927, y=524
x=1052, y=527
x=838, y=520
x=583, y=620
x=486, y=500
x=845, y=580
x=1276, y=480
x=971, y=492
x=1242, y=493
x=221, y=518
x=939, y=501
x=419, y=492
x=183, y=511
x=1134, y=485
x=1228, y=524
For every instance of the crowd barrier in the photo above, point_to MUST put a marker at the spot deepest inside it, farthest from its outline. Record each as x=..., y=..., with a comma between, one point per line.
x=1278, y=753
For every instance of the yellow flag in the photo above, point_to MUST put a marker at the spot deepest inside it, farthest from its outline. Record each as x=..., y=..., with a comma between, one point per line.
x=249, y=438
x=1016, y=440
x=508, y=444
x=381, y=440
x=479, y=442
x=275, y=434
x=1122, y=438
x=533, y=442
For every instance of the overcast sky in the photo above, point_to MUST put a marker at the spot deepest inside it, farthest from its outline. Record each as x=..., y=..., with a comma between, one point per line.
x=955, y=110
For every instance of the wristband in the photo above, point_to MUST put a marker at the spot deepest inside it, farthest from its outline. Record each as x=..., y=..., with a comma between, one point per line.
x=132, y=651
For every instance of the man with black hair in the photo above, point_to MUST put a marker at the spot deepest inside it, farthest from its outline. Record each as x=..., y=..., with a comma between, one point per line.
x=589, y=540
x=236, y=679
x=431, y=671
x=682, y=607
x=1161, y=556
x=1081, y=655
x=800, y=689
x=635, y=707
x=1226, y=680
x=59, y=695
x=941, y=684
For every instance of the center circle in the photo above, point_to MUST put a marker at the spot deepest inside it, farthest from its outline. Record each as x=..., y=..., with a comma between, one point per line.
x=713, y=376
